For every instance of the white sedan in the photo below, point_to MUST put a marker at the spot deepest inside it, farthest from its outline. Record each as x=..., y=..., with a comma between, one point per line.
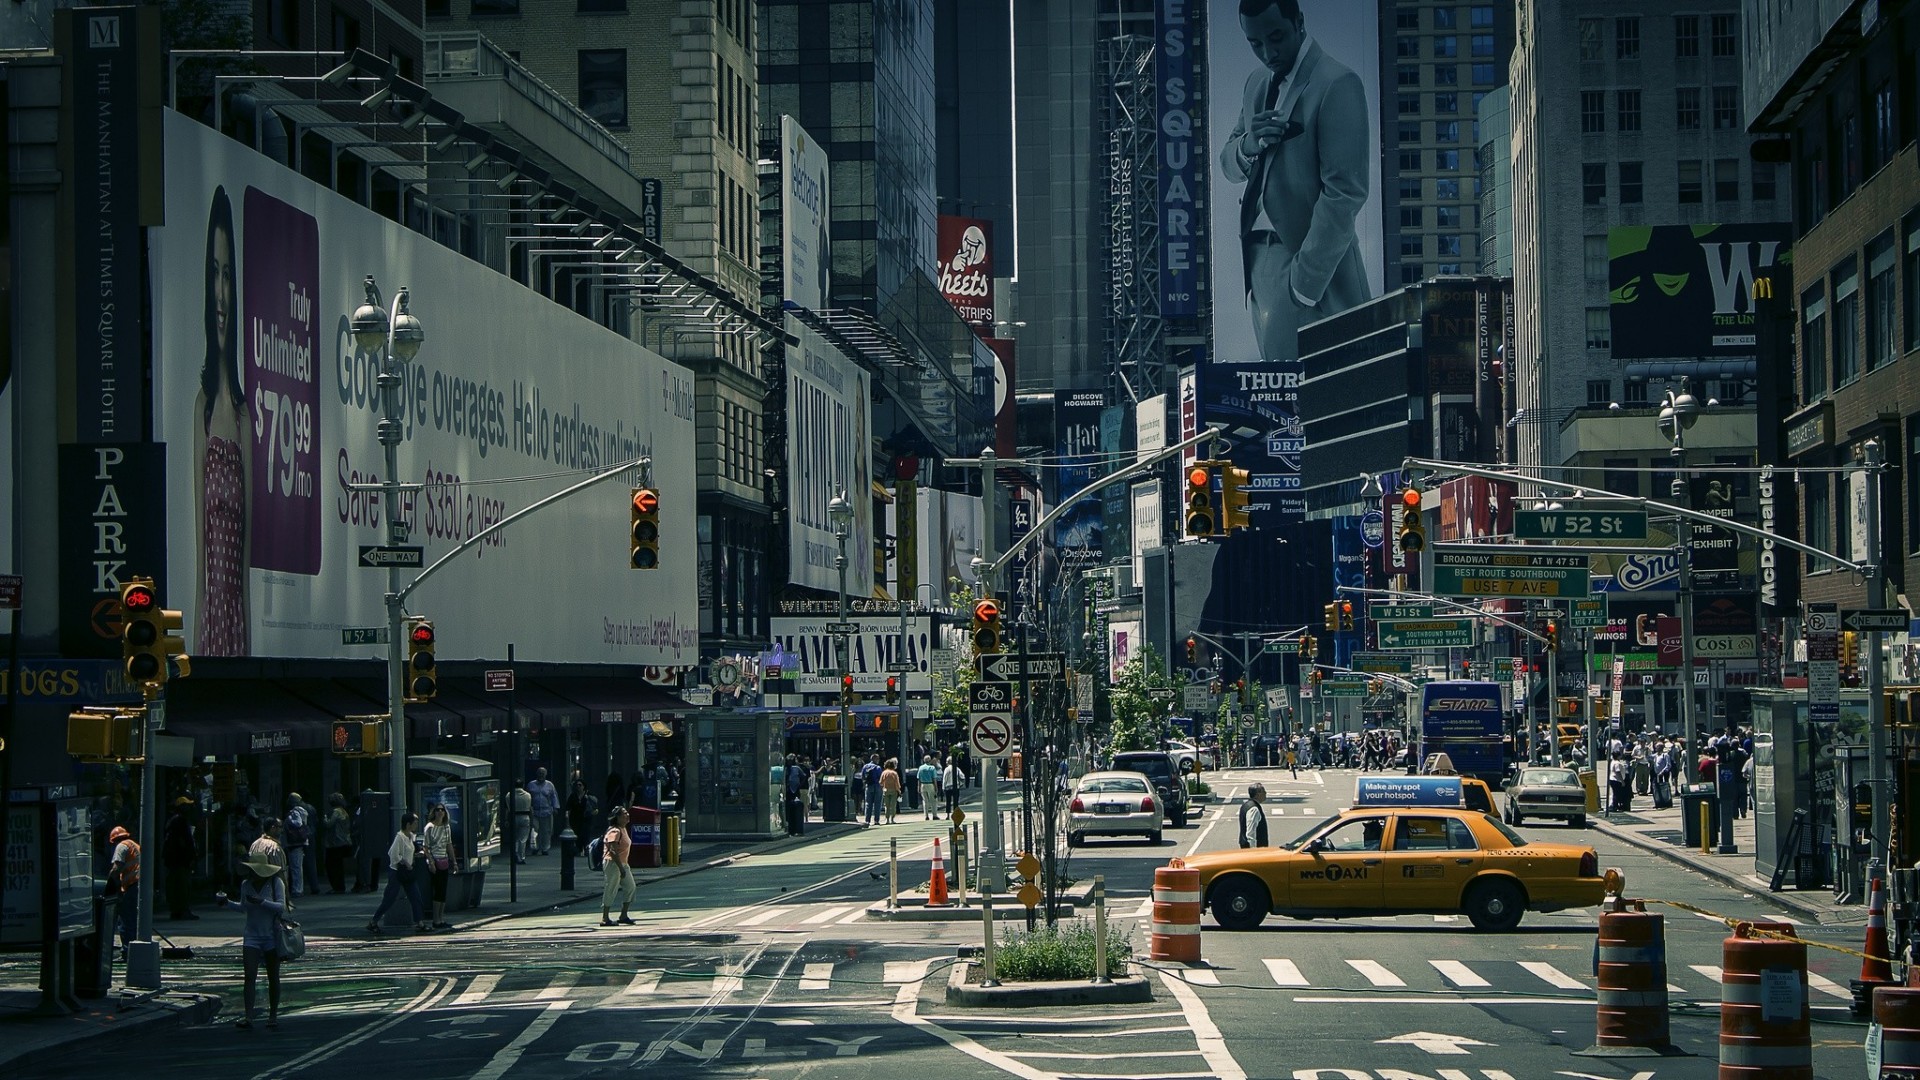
x=1113, y=804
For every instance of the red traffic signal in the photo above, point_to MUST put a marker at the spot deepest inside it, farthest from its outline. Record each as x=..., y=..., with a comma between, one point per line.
x=986, y=610
x=138, y=599
x=646, y=500
x=422, y=634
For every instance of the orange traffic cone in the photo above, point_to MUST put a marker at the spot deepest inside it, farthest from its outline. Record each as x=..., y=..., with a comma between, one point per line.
x=937, y=887
x=1874, y=967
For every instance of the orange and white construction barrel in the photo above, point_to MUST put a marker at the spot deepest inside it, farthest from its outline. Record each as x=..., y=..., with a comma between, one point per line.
x=1176, y=914
x=1765, y=1025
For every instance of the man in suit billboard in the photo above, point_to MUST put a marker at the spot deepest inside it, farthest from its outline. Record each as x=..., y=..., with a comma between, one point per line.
x=1302, y=146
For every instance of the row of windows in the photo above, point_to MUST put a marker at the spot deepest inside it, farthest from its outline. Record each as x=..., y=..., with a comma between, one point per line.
x=1479, y=16
x=1445, y=103
x=1413, y=161
x=1444, y=217
x=1445, y=245
x=736, y=16
x=1444, y=47
x=1842, y=151
x=1690, y=182
x=1846, y=333
x=736, y=109
x=737, y=219
x=1413, y=272
x=1413, y=189
x=1432, y=131
x=1687, y=112
x=1408, y=76
x=1723, y=33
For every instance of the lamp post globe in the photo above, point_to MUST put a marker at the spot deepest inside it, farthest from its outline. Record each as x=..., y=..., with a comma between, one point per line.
x=408, y=333
x=370, y=320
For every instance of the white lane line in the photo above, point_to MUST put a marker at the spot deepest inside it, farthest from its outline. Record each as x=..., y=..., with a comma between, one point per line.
x=824, y=916
x=1285, y=973
x=1202, y=838
x=509, y=1055
x=1451, y=999
x=477, y=991
x=1201, y=977
x=1213, y=1046
x=1097, y=1057
x=558, y=988
x=1083, y=1034
x=1045, y=1021
x=1828, y=986
x=768, y=915
x=895, y=972
x=424, y=1000
x=1712, y=973
x=1146, y=910
x=644, y=982
x=727, y=981
x=1376, y=973
x=815, y=977
x=1458, y=973
x=1553, y=976
x=1135, y=1076
x=858, y=915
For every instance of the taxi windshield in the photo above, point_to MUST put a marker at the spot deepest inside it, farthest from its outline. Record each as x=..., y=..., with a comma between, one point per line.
x=1316, y=829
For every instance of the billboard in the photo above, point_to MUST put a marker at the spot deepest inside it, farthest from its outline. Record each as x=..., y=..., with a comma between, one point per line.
x=1296, y=229
x=812, y=652
x=1181, y=126
x=828, y=434
x=1691, y=290
x=966, y=269
x=271, y=414
x=950, y=528
x=1077, y=421
x=805, y=244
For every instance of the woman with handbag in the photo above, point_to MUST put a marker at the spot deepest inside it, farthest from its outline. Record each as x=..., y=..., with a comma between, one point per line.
x=263, y=898
x=438, y=839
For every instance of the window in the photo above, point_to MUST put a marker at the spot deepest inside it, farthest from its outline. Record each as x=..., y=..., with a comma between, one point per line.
x=1446, y=75
x=1846, y=322
x=1446, y=46
x=1726, y=108
x=1407, y=48
x=1595, y=249
x=1409, y=131
x=1409, y=190
x=1449, y=246
x=1446, y=160
x=1446, y=131
x=1690, y=182
x=1599, y=328
x=1819, y=518
x=1686, y=36
x=1409, y=273
x=1599, y=391
x=1446, y=268
x=1407, y=19
x=1445, y=18
x=1593, y=183
x=1592, y=39
x=1765, y=188
x=1880, y=301
x=1633, y=392
x=1725, y=32
x=1412, y=247
x=1446, y=189
x=1355, y=834
x=1632, y=183
x=1884, y=140
x=1626, y=37
x=1407, y=75
x=591, y=7
x=1813, y=343
x=1628, y=103
x=1433, y=834
x=1726, y=180
x=1409, y=104
x=496, y=7
x=603, y=86
x=1686, y=108
x=1485, y=75
x=1480, y=15
x=1910, y=274
x=1619, y=475
x=1481, y=44
x=1410, y=161
x=1593, y=111
x=346, y=31
x=1413, y=217
x=438, y=8
x=1447, y=217
x=1446, y=103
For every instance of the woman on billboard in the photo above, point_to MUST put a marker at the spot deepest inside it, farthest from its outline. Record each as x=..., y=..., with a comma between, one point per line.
x=221, y=452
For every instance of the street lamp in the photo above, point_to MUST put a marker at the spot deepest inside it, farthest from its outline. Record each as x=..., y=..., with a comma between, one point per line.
x=1678, y=411
x=840, y=513
x=396, y=339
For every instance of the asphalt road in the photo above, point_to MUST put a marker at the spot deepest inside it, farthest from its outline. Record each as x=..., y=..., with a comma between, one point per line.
x=768, y=968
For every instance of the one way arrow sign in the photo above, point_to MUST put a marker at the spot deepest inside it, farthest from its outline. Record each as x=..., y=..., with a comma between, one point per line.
x=1434, y=1043
x=370, y=555
x=1005, y=667
x=1882, y=620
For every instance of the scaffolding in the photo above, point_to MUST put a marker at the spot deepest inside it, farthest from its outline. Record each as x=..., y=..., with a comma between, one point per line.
x=1127, y=155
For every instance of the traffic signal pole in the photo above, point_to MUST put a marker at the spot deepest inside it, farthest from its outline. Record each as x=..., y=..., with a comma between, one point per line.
x=1880, y=833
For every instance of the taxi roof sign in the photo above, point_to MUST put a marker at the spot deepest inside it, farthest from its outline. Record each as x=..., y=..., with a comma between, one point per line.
x=1408, y=791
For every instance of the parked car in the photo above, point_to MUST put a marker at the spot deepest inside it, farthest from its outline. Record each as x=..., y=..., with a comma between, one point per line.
x=1547, y=792
x=1168, y=781
x=1113, y=804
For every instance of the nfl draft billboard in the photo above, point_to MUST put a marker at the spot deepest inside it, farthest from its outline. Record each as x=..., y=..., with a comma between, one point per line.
x=1296, y=230
x=271, y=414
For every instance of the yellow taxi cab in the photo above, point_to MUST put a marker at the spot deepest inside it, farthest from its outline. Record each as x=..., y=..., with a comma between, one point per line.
x=1408, y=845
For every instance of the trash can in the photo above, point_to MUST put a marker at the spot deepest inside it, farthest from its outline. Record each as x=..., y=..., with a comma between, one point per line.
x=833, y=801
x=670, y=839
x=93, y=953
x=643, y=827
x=1591, y=781
x=1692, y=798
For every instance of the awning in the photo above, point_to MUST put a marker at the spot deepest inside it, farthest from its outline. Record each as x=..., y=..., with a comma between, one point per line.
x=226, y=718
x=614, y=701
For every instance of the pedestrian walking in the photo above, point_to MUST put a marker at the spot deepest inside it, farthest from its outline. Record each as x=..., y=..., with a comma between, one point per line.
x=123, y=882
x=1617, y=783
x=950, y=781
x=546, y=803
x=267, y=844
x=581, y=811
x=616, y=871
x=794, y=784
x=441, y=861
x=1253, y=818
x=337, y=842
x=176, y=858
x=929, y=777
x=890, y=788
x=263, y=899
x=297, y=838
x=522, y=801
x=870, y=787
x=400, y=875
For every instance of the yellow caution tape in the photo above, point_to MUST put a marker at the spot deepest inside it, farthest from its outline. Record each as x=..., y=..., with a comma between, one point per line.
x=1747, y=926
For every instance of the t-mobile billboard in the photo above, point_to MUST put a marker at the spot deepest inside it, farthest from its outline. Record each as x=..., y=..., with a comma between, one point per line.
x=1294, y=88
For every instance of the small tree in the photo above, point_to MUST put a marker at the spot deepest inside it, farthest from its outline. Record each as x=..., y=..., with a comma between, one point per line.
x=1140, y=702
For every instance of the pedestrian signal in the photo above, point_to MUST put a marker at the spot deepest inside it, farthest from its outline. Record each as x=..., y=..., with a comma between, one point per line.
x=423, y=674
x=149, y=635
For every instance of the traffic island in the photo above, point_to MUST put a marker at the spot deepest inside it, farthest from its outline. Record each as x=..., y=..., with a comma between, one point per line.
x=913, y=907
x=963, y=988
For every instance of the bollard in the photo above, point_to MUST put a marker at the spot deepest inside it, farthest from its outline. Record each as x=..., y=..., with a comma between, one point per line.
x=893, y=874
x=1632, y=1008
x=1176, y=914
x=1896, y=1024
x=1706, y=829
x=1765, y=1028
x=568, y=843
x=1100, y=929
x=988, y=977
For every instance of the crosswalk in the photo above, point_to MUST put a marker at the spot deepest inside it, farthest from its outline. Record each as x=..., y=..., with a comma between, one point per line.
x=1449, y=974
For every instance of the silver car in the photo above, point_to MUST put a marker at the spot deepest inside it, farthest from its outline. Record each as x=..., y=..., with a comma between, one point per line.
x=1547, y=792
x=1113, y=804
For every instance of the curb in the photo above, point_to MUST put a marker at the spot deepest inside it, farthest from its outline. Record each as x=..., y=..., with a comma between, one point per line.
x=922, y=913
x=1125, y=990
x=165, y=1012
x=1725, y=876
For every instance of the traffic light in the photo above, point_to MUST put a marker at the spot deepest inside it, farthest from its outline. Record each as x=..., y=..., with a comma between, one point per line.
x=1193, y=651
x=1346, y=614
x=108, y=733
x=1376, y=687
x=1849, y=648
x=1235, y=499
x=1330, y=618
x=846, y=691
x=1309, y=648
x=1200, y=519
x=423, y=676
x=893, y=689
x=148, y=635
x=645, y=536
x=1413, y=531
x=986, y=626
x=1553, y=635
x=1314, y=677
x=361, y=736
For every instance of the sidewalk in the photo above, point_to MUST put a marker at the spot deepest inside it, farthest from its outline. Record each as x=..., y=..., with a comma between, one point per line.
x=1659, y=832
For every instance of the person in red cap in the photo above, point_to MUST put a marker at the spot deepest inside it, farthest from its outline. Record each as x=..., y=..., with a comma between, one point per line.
x=123, y=880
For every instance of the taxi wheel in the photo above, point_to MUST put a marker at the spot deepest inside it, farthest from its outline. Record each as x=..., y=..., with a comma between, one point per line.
x=1495, y=905
x=1240, y=903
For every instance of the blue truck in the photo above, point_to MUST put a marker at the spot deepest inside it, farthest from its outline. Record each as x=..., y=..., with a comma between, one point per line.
x=1463, y=719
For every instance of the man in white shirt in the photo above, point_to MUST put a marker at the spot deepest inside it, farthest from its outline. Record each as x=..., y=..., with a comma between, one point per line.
x=1253, y=818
